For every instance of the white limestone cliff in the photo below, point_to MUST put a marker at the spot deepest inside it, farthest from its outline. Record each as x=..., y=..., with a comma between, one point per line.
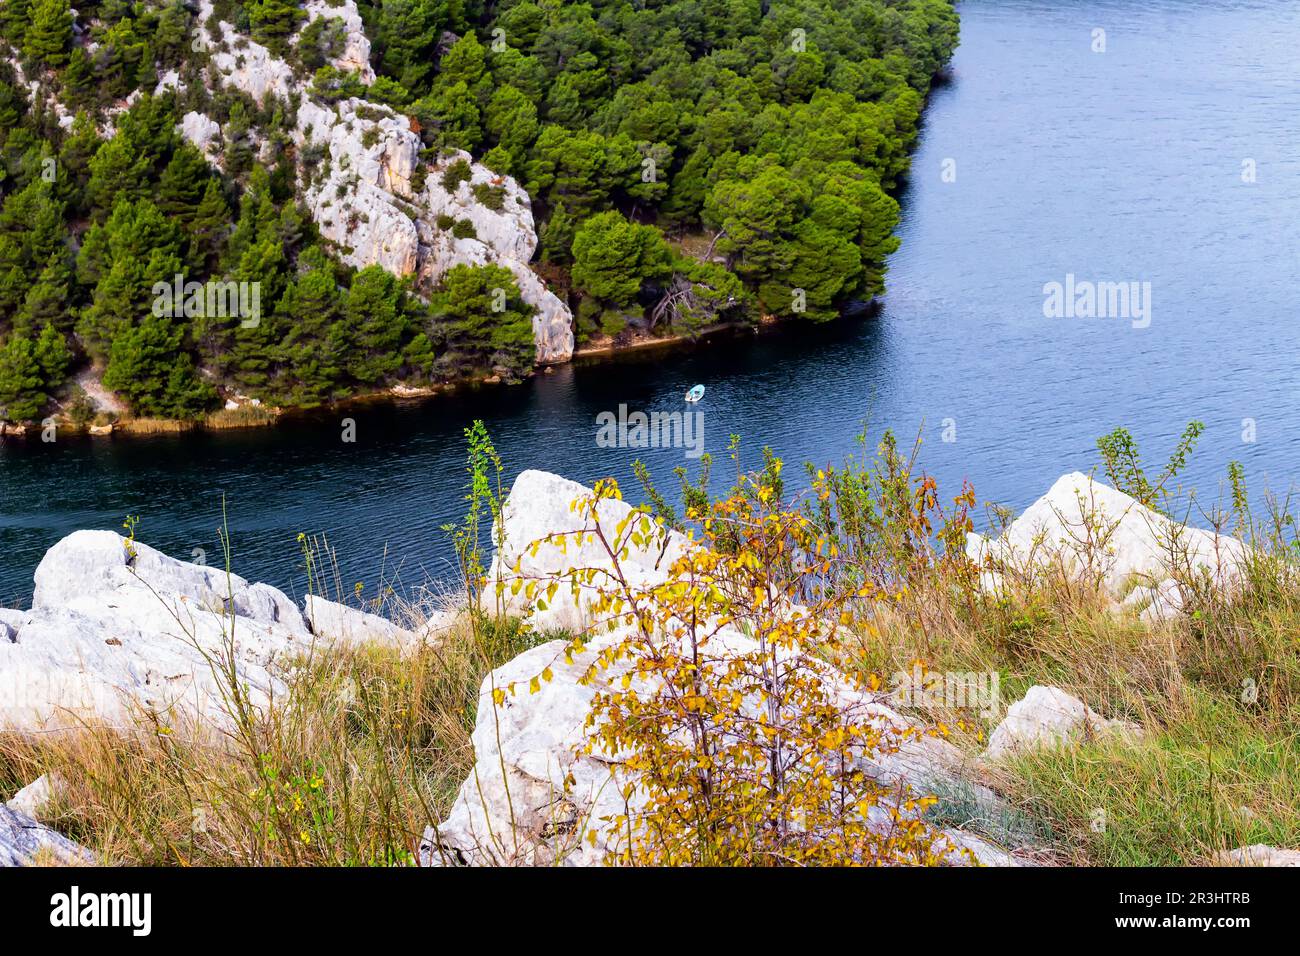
x=355, y=55
x=359, y=187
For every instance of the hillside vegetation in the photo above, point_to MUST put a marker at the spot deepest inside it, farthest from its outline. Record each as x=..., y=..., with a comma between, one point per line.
x=778, y=130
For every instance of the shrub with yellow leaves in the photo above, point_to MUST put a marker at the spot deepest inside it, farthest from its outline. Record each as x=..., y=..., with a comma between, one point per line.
x=736, y=742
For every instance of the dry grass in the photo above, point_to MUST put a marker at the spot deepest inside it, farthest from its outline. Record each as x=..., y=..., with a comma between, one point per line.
x=245, y=416
x=369, y=748
x=1216, y=691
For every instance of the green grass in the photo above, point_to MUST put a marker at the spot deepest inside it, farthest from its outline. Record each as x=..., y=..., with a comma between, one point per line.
x=1214, y=779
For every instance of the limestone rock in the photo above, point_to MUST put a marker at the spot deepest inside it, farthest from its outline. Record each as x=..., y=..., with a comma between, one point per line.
x=11, y=622
x=1090, y=531
x=535, y=793
x=24, y=842
x=204, y=132
x=116, y=625
x=538, y=510
x=1046, y=717
x=33, y=799
x=1157, y=603
x=358, y=182
x=112, y=627
x=353, y=627
x=1258, y=854
x=243, y=64
x=355, y=56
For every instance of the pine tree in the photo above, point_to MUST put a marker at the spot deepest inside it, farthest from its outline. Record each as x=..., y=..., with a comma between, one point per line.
x=118, y=300
x=15, y=16
x=49, y=35
x=151, y=370
x=48, y=301
x=79, y=79
x=117, y=171
x=374, y=311
x=208, y=229
x=52, y=356
x=273, y=23
x=183, y=184
x=21, y=397
x=316, y=343
x=483, y=318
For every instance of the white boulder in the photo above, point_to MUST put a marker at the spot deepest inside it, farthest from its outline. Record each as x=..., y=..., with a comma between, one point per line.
x=1158, y=602
x=116, y=625
x=24, y=842
x=1258, y=854
x=352, y=627
x=10, y=622
x=204, y=132
x=535, y=794
x=33, y=799
x=1089, y=531
x=1047, y=717
x=538, y=510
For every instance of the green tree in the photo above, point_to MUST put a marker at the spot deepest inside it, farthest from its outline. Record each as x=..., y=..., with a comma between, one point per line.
x=374, y=311
x=483, y=320
x=52, y=356
x=612, y=258
x=149, y=367
x=273, y=22
x=21, y=381
x=49, y=35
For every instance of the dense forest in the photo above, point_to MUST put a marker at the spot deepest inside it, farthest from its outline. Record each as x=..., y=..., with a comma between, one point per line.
x=738, y=152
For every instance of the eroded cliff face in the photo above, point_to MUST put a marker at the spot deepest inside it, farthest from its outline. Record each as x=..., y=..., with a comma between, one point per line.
x=357, y=166
x=355, y=55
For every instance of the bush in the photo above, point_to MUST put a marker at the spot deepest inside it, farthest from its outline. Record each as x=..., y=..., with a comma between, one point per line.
x=455, y=174
x=493, y=197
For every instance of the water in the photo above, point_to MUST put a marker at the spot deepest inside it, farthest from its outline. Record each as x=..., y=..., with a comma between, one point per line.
x=1120, y=166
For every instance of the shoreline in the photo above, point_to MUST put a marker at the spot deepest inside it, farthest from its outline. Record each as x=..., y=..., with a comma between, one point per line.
x=248, y=416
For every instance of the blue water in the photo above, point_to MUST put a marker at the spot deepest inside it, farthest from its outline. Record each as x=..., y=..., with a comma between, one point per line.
x=1117, y=166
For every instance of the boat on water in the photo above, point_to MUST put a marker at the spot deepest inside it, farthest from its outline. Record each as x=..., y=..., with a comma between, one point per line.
x=695, y=394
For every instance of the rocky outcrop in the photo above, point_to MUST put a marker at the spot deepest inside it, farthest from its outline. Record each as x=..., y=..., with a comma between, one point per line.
x=1258, y=854
x=360, y=186
x=535, y=795
x=1096, y=534
x=117, y=626
x=33, y=799
x=24, y=842
x=1048, y=717
x=345, y=625
x=203, y=132
x=355, y=55
x=537, y=510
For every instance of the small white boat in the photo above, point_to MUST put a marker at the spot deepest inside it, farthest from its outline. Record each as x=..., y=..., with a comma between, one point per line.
x=695, y=394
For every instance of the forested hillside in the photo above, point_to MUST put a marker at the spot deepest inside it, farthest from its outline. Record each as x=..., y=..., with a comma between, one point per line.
x=689, y=163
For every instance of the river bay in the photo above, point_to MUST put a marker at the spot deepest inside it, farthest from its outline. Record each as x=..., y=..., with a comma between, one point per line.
x=1167, y=161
